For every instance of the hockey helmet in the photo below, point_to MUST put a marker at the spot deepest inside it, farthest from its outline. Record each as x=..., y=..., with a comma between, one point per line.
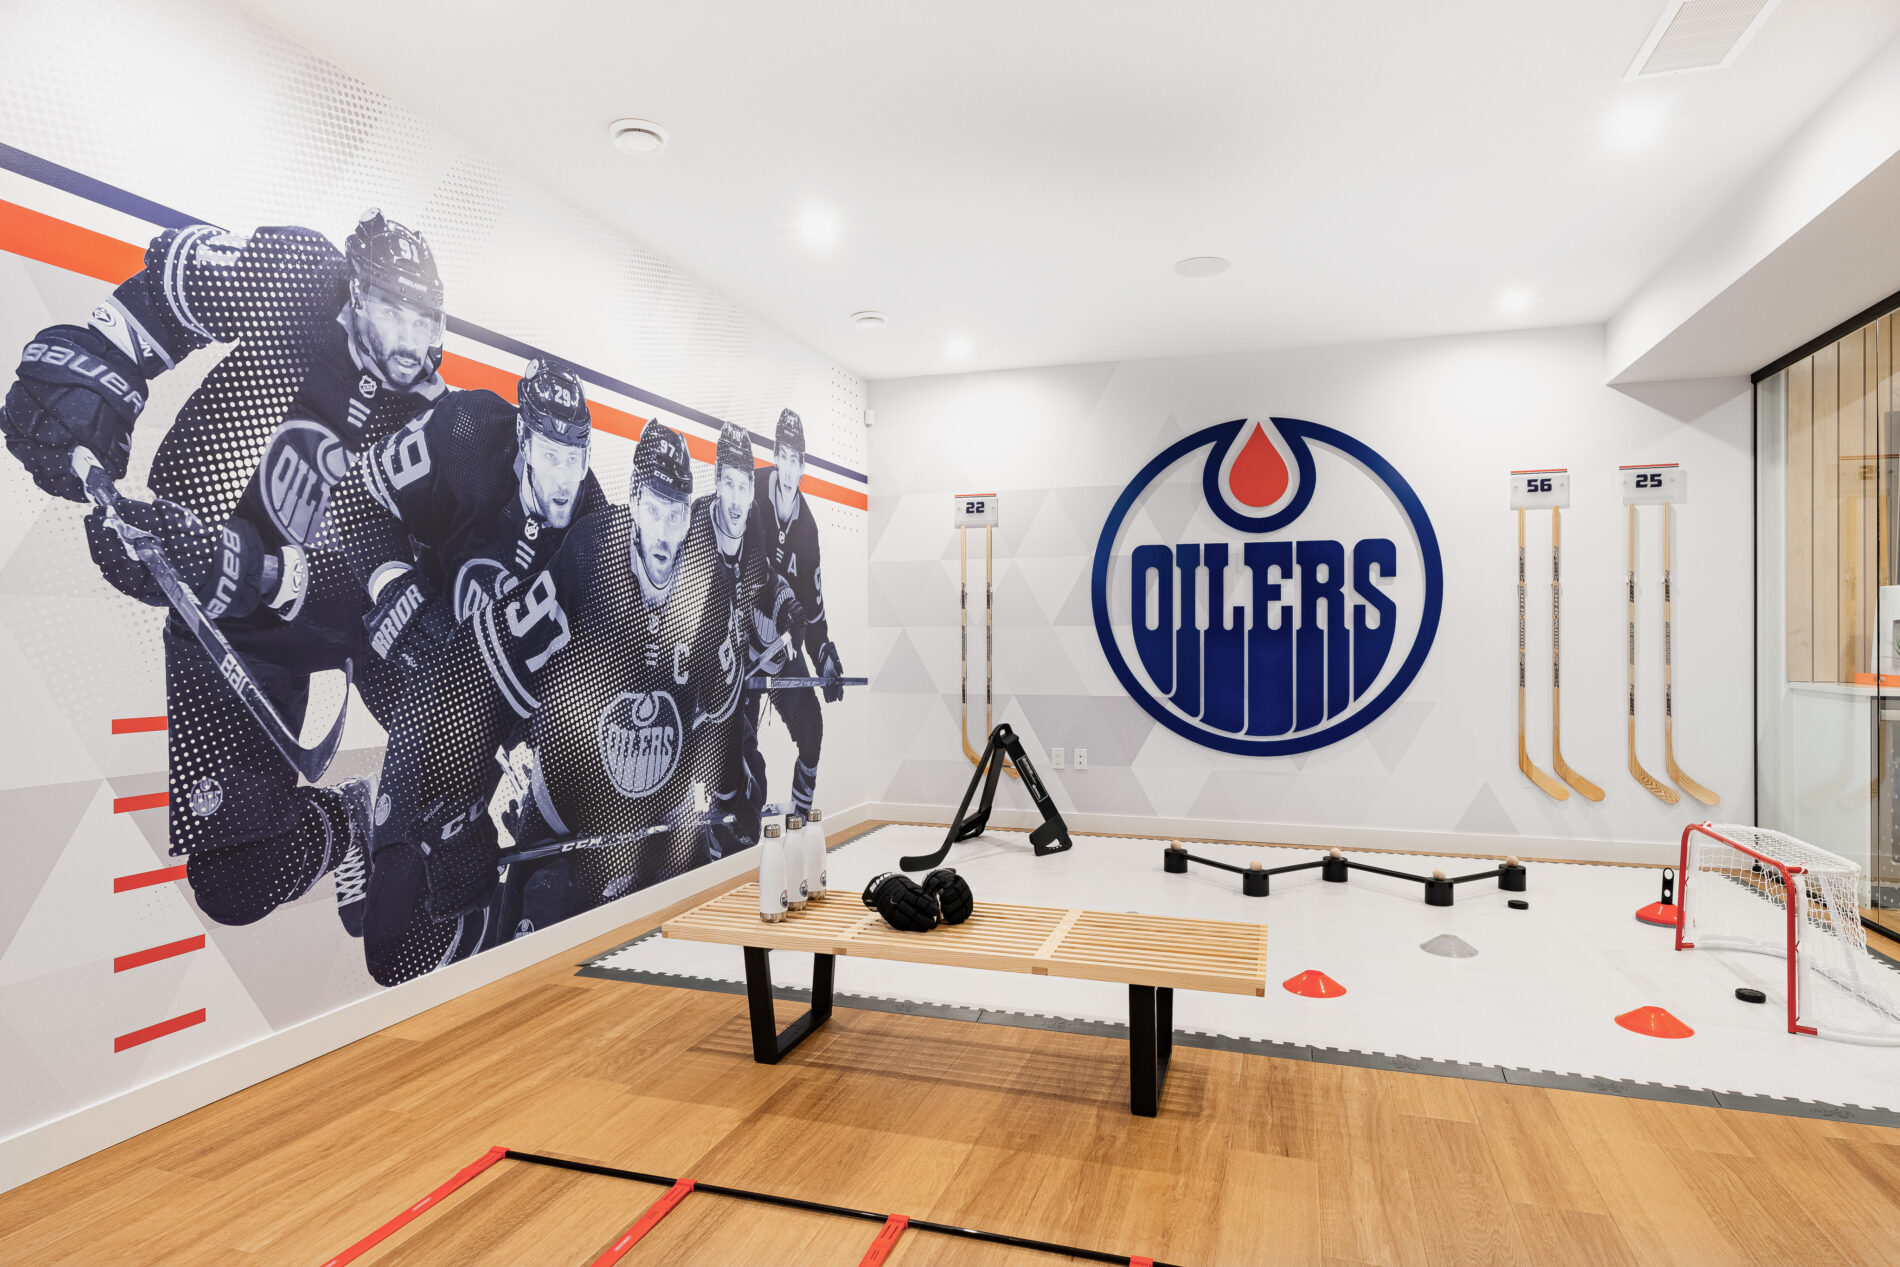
x=660, y=463
x=395, y=260
x=553, y=403
x=735, y=448
x=791, y=432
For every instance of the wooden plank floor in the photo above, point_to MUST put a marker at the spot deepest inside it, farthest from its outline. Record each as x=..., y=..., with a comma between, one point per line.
x=1253, y=1160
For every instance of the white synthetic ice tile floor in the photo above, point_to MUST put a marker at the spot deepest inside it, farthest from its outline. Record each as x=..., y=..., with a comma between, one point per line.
x=1541, y=993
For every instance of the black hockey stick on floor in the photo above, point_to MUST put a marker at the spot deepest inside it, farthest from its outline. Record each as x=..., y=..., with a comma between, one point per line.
x=145, y=547
x=989, y=769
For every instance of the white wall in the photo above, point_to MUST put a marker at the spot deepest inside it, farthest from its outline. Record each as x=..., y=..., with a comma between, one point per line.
x=1438, y=770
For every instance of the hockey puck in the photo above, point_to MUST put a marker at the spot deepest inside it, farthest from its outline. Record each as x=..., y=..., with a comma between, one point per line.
x=1518, y=904
x=1747, y=995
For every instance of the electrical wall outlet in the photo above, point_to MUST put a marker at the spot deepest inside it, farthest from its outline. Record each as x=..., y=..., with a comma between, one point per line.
x=1081, y=758
x=1055, y=759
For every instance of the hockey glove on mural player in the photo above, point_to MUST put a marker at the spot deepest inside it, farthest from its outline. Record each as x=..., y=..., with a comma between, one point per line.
x=831, y=669
x=74, y=388
x=228, y=568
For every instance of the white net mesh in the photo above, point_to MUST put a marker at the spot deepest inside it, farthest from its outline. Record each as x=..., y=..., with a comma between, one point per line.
x=1738, y=886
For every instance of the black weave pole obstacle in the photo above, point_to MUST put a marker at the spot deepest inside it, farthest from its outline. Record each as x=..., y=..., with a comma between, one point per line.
x=989, y=769
x=1334, y=868
x=820, y=1207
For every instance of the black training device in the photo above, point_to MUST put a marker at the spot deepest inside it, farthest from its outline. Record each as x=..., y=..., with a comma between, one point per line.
x=989, y=770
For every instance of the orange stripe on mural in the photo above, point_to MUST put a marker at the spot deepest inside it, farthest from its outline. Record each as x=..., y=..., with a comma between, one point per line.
x=170, y=950
x=149, y=800
x=53, y=241
x=125, y=1042
x=146, y=879
x=136, y=725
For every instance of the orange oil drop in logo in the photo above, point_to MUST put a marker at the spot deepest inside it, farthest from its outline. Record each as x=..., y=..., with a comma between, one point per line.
x=1258, y=476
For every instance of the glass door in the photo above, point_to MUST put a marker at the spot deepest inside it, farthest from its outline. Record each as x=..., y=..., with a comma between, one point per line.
x=1828, y=607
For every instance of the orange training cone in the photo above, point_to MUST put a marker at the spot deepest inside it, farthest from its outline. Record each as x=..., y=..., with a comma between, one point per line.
x=1314, y=984
x=1654, y=1022
x=1668, y=914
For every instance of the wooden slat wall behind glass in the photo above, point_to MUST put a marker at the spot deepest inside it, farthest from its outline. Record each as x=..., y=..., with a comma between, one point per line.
x=1800, y=506
x=1827, y=514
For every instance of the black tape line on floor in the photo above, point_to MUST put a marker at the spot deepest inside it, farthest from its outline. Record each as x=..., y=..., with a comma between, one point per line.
x=821, y=1207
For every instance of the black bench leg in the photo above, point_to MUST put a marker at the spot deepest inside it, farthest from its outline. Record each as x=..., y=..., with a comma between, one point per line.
x=769, y=1043
x=1150, y=1045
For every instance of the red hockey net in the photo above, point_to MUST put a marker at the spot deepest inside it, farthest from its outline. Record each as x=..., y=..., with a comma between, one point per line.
x=1747, y=888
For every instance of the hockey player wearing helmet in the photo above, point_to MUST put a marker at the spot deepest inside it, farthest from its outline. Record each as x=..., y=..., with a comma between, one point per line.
x=628, y=653
x=765, y=617
x=454, y=510
x=333, y=350
x=791, y=538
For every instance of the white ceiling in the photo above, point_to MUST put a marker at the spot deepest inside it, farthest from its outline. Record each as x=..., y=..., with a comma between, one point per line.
x=1021, y=175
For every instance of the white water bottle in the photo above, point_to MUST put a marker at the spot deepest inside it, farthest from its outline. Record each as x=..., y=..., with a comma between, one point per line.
x=815, y=875
x=797, y=883
x=772, y=875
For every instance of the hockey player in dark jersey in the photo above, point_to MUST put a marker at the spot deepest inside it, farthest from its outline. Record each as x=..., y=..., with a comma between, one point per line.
x=791, y=539
x=472, y=496
x=334, y=349
x=649, y=655
x=766, y=612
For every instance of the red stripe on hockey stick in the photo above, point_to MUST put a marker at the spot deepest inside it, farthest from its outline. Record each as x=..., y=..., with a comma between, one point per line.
x=170, y=950
x=125, y=1042
x=53, y=241
x=415, y=1211
x=146, y=879
x=150, y=800
x=646, y=1223
x=886, y=1241
x=1141, y=1262
x=136, y=725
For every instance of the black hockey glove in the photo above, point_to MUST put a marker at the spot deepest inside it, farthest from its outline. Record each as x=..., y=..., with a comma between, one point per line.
x=74, y=388
x=228, y=568
x=902, y=902
x=952, y=893
x=461, y=861
x=189, y=542
x=831, y=669
x=408, y=620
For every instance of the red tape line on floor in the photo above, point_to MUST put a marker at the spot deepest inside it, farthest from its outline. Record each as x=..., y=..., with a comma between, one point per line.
x=646, y=1223
x=886, y=1241
x=402, y=1220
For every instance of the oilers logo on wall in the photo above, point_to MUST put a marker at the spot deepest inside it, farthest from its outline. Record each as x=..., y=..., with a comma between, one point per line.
x=1267, y=587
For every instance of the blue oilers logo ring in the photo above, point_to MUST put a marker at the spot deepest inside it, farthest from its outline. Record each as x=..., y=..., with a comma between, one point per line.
x=640, y=739
x=1267, y=587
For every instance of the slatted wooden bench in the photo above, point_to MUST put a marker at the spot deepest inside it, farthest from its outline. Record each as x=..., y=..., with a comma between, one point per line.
x=1154, y=955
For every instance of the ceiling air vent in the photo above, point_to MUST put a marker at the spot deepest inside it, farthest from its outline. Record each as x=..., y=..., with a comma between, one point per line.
x=1699, y=35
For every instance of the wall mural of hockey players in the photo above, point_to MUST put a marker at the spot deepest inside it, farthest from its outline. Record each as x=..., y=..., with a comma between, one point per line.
x=324, y=501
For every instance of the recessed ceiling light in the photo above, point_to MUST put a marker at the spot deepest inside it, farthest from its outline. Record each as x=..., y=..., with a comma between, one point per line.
x=1200, y=266
x=817, y=227
x=1633, y=126
x=637, y=136
x=959, y=348
x=1514, y=300
x=868, y=319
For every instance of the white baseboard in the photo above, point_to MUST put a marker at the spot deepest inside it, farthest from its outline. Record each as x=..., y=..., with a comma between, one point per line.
x=62, y=1141
x=1324, y=837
